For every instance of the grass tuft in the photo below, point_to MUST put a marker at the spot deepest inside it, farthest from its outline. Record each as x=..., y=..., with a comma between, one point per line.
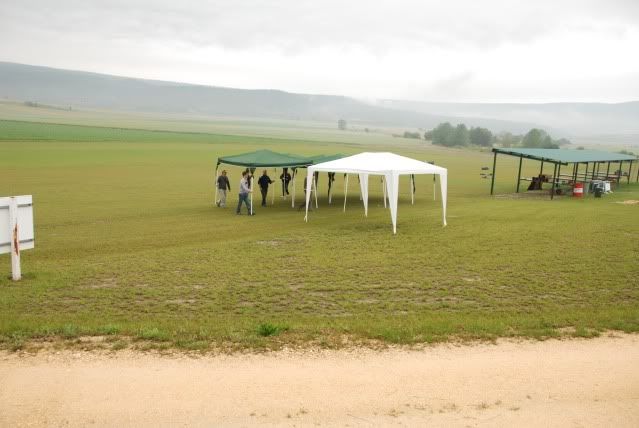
x=267, y=329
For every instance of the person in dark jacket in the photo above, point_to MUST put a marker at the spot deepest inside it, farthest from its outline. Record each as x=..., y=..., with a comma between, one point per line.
x=286, y=178
x=264, y=181
x=223, y=185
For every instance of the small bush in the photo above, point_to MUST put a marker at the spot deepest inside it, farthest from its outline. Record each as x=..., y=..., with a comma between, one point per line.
x=152, y=334
x=267, y=329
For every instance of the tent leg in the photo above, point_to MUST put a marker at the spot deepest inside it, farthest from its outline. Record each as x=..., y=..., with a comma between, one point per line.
x=519, y=173
x=554, y=182
x=215, y=178
x=345, y=191
x=412, y=189
x=492, y=181
x=315, y=190
x=629, y=172
x=293, y=198
x=251, y=185
x=434, y=187
x=273, y=191
x=384, y=189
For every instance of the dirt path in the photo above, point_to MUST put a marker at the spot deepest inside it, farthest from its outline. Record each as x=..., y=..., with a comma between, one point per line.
x=553, y=383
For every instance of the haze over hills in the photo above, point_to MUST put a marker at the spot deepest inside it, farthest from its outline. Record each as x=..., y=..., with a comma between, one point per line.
x=84, y=90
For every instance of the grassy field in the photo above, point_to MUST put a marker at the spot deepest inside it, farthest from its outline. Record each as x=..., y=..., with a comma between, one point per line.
x=130, y=246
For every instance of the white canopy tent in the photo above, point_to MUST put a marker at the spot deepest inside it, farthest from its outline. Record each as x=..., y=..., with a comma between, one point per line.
x=388, y=165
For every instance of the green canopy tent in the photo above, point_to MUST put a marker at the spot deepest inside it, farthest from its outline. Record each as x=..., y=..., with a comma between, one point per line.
x=565, y=157
x=270, y=159
x=263, y=159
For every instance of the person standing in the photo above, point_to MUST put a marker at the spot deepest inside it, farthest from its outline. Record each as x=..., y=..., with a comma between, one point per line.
x=243, y=195
x=223, y=185
x=286, y=178
x=264, y=181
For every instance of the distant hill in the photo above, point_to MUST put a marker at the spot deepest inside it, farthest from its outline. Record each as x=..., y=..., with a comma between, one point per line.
x=566, y=118
x=83, y=90
x=78, y=89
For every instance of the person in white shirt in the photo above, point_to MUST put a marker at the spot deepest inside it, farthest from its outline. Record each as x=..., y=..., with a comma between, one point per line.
x=244, y=195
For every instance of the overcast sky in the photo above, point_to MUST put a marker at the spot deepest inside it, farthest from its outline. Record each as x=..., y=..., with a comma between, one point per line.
x=452, y=50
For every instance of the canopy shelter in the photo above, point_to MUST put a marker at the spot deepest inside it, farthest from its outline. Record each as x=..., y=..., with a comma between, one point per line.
x=271, y=159
x=263, y=159
x=593, y=160
x=388, y=165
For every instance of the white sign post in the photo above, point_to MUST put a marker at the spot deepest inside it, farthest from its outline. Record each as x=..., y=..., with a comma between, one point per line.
x=16, y=229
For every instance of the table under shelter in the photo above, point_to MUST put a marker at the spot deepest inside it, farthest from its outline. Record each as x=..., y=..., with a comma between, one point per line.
x=580, y=166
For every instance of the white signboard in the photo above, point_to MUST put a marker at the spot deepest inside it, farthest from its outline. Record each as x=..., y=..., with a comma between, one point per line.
x=16, y=229
x=25, y=224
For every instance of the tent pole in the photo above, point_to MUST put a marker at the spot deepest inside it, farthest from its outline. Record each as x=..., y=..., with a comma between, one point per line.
x=215, y=180
x=586, y=175
x=251, y=185
x=608, y=171
x=521, y=158
x=293, y=198
x=412, y=189
x=576, y=173
x=629, y=172
x=315, y=187
x=554, y=182
x=435, y=187
x=330, y=189
x=492, y=181
x=345, y=191
x=384, y=189
x=541, y=169
x=273, y=191
x=619, y=173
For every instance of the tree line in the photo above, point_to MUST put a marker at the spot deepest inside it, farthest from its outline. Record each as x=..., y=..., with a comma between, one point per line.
x=448, y=135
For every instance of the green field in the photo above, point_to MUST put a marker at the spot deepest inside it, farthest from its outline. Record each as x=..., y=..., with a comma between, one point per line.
x=130, y=246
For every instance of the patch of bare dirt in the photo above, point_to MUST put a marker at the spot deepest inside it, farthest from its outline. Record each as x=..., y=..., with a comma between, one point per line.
x=512, y=383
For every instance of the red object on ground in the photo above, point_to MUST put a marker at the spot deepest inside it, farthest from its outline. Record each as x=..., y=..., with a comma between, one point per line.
x=578, y=190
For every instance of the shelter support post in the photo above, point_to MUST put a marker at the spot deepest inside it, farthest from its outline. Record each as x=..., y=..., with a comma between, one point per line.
x=541, y=169
x=307, y=191
x=608, y=171
x=273, y=191
x=363, y=186
x=215, y=180
x=293, y=198
x=519, y=173
x=315, y=190
x=619, y=173
x=554, y=182
x=629, y=172
x=345, y=191
x=392, y=188
x=594, y=165
x=434, y=187
x=576, y=173
x=251, y=186
x=412, y=189
x=586, y=174
x=492, y=181
x=384, y=189
x=558, y=174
